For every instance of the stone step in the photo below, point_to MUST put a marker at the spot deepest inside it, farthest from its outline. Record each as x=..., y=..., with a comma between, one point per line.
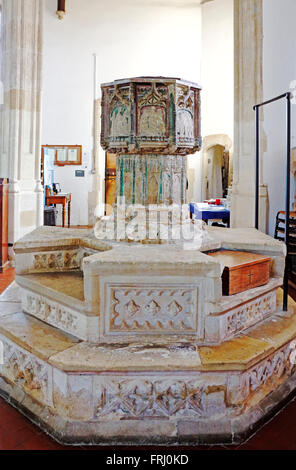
x=58, y=299
x=238, y=312
x=27, y=346
x=80, y=389
x=35, y=336
x=69, y=354
x=10, y=300
x=70, y=286
x=237, y=354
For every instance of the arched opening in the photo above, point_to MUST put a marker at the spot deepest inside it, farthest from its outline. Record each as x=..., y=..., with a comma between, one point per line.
x=217, y=172
x=217, y=167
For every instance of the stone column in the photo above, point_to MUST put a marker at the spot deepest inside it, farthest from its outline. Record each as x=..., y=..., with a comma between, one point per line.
x=20, y=146
x=248, y=47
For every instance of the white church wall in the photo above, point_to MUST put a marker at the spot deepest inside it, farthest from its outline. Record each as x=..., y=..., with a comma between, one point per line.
x=130, y=38
x=279, y=70
x=217, y=73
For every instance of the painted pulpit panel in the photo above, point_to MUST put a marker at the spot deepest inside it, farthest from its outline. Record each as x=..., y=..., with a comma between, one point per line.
x=187, y=116
x=151, y=115
x=116, y=118
x=119, y=122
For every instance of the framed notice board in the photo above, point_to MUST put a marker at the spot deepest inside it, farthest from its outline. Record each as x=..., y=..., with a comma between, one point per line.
x=66, y=154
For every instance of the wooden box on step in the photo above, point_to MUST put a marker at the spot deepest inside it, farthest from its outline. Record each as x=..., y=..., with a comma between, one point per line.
x=242, y=270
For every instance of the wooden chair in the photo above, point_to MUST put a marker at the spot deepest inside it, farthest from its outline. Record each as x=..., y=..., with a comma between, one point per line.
x=280, y=230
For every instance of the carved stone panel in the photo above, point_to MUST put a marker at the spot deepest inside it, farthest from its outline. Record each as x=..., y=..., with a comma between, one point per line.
x=149, y=398
x=67, y=319
x=27, y=371
x=57, y=261
x=261, y=378
x=275, y=367
x=51, y=312
x=250, y=313
x=227, y=324
x=272, y=371
x=151, y=309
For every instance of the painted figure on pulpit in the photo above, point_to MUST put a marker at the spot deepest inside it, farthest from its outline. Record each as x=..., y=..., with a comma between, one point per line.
x=152, y=121
x=185, y=124
x=120, y=122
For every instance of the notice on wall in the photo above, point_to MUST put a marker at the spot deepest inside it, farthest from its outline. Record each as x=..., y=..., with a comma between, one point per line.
x=72, y=155
x=61, y=155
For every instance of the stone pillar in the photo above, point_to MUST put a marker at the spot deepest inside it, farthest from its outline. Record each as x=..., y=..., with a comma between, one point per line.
x=248, y=47
x=20, y=146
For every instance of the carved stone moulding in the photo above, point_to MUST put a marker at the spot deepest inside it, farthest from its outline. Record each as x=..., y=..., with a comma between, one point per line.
x=226, y=325
x=151, y=114
x=55, y=260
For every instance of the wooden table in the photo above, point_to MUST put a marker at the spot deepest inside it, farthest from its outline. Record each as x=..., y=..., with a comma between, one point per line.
x=62, y=199
x=210, y=213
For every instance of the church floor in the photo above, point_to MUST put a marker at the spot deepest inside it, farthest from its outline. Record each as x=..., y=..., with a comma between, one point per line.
x=17, y=433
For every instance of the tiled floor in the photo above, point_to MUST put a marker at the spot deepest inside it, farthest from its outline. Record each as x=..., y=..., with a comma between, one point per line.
x=6, y=279
x=18, y=433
